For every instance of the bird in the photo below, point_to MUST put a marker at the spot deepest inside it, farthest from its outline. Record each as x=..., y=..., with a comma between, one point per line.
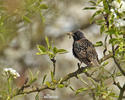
x=83, y=49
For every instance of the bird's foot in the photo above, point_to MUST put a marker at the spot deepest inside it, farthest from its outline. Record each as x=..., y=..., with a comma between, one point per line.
x=79, y=64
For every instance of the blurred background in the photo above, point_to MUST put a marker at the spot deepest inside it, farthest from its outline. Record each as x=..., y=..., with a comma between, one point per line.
x=23, y=26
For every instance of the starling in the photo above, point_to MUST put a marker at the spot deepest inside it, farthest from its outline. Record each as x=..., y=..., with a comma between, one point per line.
x=84, y=50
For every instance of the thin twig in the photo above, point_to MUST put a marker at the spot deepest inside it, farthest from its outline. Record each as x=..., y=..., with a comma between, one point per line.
x=93, y=95
x=31, y=90
x=54, y=65
x=116, y=83
x=106, y=57
x=122, y=90
x=88, y=75
x=118, y=65
x=105, y=45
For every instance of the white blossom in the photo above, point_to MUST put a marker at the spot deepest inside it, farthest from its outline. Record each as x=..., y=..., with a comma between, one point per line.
x=120, y=6
x=11, y=71
x=112, y=10
x=120, y=23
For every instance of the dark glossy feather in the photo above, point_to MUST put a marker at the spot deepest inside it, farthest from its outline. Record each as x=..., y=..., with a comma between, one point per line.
x=84, y=50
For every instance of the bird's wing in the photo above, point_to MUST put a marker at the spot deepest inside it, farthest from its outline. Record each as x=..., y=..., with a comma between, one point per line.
x=86, y=50
x=79, y=50
x=91, y=53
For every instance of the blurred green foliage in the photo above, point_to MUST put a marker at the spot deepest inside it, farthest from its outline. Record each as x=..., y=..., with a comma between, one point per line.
x=14, y=12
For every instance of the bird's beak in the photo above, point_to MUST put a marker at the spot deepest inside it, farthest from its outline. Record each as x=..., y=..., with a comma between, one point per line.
x=70, y=34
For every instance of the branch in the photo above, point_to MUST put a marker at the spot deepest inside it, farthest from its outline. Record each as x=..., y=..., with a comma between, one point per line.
x=106, y=17
x=82, y=69
x=116, y=83
x=31, y=90
x=106, y=57
x=118, y=65
x=26, y=89
x=36, y=89
x=73, y=74
x=93, y=95
x=105, y=45
x=122, y=90
x=54, y=65
x=115, y=60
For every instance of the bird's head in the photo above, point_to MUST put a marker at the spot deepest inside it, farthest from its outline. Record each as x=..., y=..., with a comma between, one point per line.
x=77, y=35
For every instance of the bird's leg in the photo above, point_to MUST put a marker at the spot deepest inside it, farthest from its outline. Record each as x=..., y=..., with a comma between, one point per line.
x=79, y=64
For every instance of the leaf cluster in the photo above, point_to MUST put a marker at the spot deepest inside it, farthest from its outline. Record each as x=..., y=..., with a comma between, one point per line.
x=110, y=23
x=50, y=51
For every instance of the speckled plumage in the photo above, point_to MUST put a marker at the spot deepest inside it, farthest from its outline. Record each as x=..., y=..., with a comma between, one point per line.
x=84, y=50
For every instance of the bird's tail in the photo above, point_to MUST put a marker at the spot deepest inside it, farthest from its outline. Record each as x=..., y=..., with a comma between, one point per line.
x=95, y=63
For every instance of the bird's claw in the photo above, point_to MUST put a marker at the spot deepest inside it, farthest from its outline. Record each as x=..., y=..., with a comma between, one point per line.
x=79, y=64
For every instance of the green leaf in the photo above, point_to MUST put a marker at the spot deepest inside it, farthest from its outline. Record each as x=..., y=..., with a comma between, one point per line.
x=95, y=14
x=48, y=84
x=105, y=63
x=42, y=17
x=43, y=6
x=113, y=95
x=60, y=85
x=25, y=18
x=55, y=50
x=82, y=80
x=92, y=2
x=118, y=74
x=2, y=38
x=119, y=1
x=37, y=96
x=52, y=76
x=100, y=22
x=40, y=0
x=72, y=88
x=61, y=51
x=32, y=77
x=47, y=42
x=98, y=2
x=32, y=80
x=51, y=55
x=102, y=29
x=106, y=6
x=81, y=90
x=41, y=48
x=113, y=41
x=89, y=8
x=41, y=53
x=44, y=78
x=99, y=43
